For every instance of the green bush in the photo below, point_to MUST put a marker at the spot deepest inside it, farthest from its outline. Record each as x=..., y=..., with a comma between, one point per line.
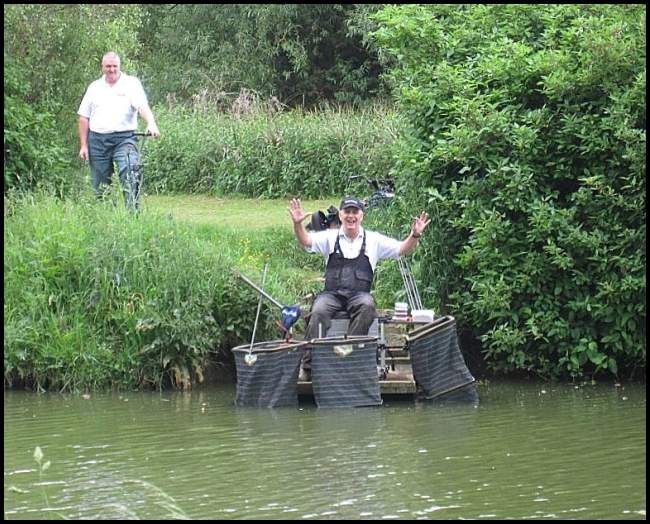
x=528, y=149
x=270, y=154
x=33, y=151
x=96, y=297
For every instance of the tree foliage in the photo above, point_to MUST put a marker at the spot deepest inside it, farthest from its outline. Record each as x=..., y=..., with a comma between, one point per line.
x=303, y=54
x=29, y=152
x=51, y=53
x=528, y=148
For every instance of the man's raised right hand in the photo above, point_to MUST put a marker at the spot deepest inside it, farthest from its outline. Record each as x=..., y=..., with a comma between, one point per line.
x=296, y=211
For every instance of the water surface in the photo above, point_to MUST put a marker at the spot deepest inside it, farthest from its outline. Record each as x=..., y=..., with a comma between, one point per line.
x=527, y=451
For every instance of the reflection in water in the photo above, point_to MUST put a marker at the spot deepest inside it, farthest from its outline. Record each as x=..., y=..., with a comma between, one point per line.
x=527, y=451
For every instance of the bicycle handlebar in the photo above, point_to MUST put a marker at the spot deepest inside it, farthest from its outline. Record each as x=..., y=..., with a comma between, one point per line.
x=377, y=183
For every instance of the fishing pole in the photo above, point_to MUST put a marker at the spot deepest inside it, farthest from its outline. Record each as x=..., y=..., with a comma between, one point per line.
x=250, y=359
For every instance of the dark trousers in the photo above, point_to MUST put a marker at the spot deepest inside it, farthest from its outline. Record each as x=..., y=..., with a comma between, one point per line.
x=107, y=149
x=360, y=307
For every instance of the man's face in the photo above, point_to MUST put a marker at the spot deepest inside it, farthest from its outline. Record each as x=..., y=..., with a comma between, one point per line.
x=351, y=218
x=111, y=68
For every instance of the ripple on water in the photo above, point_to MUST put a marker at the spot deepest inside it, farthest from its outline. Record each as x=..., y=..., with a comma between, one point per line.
x=567, y=453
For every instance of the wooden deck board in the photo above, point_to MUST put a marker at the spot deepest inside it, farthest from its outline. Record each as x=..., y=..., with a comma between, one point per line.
x=395, y=384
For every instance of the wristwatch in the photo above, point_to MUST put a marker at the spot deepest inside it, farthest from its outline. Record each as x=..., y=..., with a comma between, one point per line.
x=414, y=235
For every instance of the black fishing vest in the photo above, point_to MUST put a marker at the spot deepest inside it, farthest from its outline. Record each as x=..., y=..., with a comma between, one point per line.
x=353, y=274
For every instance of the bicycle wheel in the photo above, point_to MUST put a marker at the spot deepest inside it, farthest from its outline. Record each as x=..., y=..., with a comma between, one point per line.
x=133, y=178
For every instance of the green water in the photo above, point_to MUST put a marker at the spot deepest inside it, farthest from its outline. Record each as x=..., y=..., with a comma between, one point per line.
x=527, y=451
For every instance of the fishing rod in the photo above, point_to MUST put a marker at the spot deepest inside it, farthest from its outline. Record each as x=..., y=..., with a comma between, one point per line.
x=290, y=314
x=250, y=359
x=412, y=293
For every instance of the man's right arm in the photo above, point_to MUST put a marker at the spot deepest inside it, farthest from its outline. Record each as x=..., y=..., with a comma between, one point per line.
x=147, y=115
x=298, y=216
x=83, y=137
x=302, y=235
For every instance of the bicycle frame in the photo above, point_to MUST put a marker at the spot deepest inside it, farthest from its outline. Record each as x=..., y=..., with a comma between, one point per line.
x=134, y=174
x=384, y=191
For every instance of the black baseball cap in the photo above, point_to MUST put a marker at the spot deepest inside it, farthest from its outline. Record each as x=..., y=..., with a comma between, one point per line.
x=352, y=202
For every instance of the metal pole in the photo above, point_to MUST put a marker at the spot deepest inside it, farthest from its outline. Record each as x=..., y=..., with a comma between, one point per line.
x=261, y=291
x=412, y=292
x=250, y=359
x=409, y=294
x=414, y=288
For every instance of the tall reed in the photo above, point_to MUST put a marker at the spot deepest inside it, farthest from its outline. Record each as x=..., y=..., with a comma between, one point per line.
x=271, y=154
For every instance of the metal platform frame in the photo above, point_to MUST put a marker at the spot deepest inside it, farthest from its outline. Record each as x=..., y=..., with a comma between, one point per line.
x=394, y=363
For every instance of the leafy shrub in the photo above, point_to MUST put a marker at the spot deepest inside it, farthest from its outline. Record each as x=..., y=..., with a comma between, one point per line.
x=528, y=150
x=33, y=152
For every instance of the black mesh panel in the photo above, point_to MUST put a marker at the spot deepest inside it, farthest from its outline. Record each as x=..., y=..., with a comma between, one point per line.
x=271, y=381
x=438, y=364
x=345, y=381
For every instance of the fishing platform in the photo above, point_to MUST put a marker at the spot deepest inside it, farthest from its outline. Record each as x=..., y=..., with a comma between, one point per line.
x=400, y=357
x=408, y=354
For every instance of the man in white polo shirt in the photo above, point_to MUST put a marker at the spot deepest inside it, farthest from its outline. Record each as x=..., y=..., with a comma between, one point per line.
x=351, y=255
x=108, y=118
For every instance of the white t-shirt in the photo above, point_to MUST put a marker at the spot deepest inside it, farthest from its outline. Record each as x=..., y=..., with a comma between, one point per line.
x=378, y=246
x=113, y=108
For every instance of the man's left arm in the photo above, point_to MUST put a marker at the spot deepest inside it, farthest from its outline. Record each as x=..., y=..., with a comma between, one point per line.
x=147, y=115
x=419, y=225
x=139, y=100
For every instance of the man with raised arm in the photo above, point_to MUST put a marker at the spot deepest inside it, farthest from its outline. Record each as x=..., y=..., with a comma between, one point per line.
x=351, y=254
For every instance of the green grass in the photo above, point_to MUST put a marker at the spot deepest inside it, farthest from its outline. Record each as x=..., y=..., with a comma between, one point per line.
x=241, y=214
x=96, y=297
x=312, y=154
x=256, y=231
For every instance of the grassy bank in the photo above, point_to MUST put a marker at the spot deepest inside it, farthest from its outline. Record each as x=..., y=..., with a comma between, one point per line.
x=97, y=298
x=245, y=215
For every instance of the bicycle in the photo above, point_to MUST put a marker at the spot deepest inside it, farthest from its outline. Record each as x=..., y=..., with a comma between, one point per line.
x=134, y=178
x=384, y=191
